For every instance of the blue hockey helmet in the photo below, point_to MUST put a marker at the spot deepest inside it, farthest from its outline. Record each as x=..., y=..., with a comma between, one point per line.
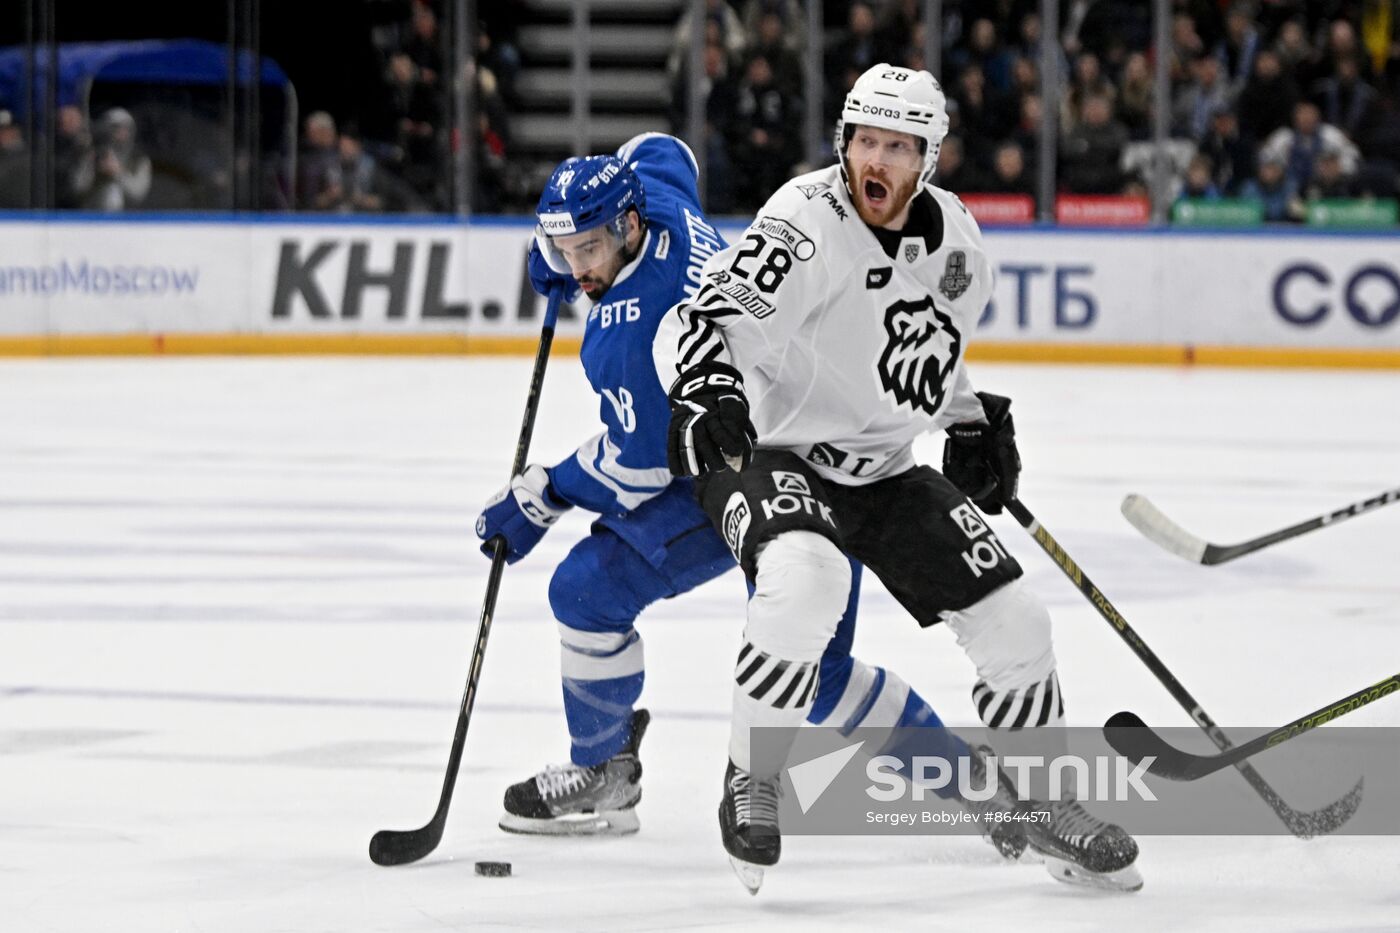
x=584, y=193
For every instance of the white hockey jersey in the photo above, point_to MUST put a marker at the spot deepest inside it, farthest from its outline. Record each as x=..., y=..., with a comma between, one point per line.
x=850, y=347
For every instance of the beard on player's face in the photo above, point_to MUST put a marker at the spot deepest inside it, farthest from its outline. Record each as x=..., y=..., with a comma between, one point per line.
x=881, y=192
x=596, y=282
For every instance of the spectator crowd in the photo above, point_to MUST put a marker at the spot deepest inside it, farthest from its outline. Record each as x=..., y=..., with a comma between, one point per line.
x=392, y=152
x=1282, y=101
x=98, y=168
x=399, y=157
x=1285, y=101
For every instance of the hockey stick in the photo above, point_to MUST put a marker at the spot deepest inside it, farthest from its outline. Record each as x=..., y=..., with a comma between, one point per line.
x=1167, y=534
x=1135, y=740
x=1304, y=825
x=398, y=847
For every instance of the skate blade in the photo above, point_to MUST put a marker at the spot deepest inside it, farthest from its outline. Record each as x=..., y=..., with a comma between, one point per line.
x=749, y=874
x=605, y=823
x=1127, y=878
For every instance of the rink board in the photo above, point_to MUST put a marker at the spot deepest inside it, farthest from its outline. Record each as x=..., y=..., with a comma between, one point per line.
x=81, y=284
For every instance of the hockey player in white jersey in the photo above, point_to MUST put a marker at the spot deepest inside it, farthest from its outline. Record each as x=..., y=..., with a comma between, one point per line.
x=816, y=350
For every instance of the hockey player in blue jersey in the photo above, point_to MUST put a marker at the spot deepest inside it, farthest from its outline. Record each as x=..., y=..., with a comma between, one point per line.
x=629, y=232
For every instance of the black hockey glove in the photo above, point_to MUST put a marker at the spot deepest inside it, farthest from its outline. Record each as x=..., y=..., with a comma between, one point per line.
x=981, y=459
x=710, y=427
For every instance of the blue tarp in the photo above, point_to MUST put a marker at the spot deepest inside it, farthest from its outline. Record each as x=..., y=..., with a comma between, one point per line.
x=177, y=61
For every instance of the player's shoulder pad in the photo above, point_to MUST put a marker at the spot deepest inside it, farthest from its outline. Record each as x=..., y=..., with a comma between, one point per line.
x=657, y=145
x=958, y=222
x=805, y=213
x=816, y=197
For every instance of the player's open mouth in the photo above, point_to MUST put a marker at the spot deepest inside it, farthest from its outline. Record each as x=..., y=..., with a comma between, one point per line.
x=875, y=192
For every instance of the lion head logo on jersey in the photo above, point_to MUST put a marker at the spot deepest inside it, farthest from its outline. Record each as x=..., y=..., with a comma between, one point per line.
x=922, y=349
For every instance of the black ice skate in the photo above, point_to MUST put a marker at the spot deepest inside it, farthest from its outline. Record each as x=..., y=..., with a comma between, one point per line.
x=1007, y=836
x=748, y=824
x=569, y=800
x=1080, y=848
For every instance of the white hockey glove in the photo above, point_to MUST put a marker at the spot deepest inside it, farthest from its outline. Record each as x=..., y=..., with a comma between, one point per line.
x=521, y=514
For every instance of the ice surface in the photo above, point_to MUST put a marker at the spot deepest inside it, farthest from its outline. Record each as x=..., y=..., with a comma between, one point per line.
x=237, y=599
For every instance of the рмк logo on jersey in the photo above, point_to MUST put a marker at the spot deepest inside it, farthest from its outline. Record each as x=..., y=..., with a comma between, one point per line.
x=922, y=350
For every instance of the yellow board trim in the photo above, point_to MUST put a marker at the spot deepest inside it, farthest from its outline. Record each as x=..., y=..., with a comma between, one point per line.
x=461, y=344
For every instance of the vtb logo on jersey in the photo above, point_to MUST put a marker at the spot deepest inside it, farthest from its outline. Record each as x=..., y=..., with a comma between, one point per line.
x=922, y=349
x=956, y=278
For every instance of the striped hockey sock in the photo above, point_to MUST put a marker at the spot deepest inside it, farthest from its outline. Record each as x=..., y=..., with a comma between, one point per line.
x=768, y=691
x=1040, y=704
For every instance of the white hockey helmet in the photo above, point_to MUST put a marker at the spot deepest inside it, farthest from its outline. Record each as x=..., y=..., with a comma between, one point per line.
x=901, y=99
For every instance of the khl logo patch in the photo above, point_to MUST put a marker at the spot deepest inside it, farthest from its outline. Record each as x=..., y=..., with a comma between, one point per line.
x=923, y=347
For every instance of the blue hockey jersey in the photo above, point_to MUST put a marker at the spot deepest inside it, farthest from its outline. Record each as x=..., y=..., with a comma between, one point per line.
x=625, y=466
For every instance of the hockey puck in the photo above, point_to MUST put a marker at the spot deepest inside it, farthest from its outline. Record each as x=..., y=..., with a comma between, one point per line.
x=493, y=869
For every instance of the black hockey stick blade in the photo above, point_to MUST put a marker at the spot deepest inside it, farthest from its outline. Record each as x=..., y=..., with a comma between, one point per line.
x=399, y=847
x=1134, y=739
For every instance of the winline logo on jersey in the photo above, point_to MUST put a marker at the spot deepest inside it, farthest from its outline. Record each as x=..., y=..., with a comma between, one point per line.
x=923, y=780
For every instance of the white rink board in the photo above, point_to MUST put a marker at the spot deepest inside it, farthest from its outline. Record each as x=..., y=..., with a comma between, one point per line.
x=106, y=277
x=1175, y=289
x=1142, y=288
